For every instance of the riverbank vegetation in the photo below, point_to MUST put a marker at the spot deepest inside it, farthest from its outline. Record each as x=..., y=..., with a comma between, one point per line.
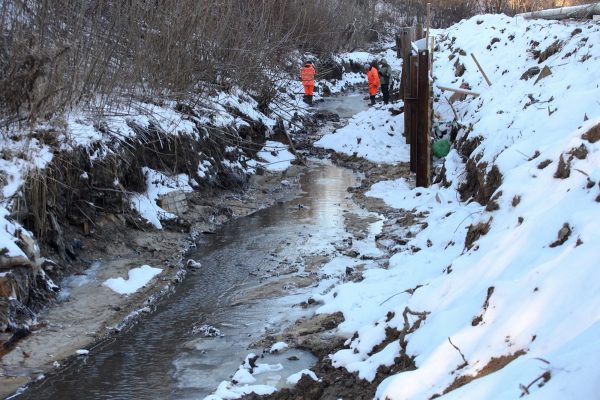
x=57, y=55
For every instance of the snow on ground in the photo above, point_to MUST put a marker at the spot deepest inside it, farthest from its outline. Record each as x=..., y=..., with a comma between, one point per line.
x=157, y=184
x=363, y=137
x=527, y=293
x=295, y=378
x=18, y=158
x=275, y=156
x=8, y=236
x=278, y=347
x=243, y=381
x=137, y=278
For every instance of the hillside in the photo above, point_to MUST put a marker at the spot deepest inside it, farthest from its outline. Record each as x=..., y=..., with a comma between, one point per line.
x=502, y=264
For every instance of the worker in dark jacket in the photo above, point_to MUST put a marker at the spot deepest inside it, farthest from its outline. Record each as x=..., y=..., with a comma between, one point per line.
x=373, y=78
x=307, y=76
x=385, y=73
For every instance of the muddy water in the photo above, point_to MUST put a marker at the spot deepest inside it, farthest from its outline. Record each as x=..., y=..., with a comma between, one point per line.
x=163, y=357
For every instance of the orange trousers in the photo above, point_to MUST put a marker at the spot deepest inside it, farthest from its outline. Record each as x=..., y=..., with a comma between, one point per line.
x=309, y=89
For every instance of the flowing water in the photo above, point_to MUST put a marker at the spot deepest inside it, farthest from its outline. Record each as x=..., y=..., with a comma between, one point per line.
x=345, y=106
x=163, y=356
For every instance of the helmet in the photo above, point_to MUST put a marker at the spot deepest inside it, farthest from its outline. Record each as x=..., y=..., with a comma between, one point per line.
x=367, y=66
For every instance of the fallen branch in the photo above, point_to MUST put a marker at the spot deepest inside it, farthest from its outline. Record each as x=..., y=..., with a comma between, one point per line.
x=582, y=172
x=542, y=360
x=407, y=329
x=465, y=363
x=409, y=291
x=415, y=326
x=452, y=107
x=525, y=389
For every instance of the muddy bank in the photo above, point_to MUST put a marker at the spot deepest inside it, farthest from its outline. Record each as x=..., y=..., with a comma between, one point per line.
x=317, y=334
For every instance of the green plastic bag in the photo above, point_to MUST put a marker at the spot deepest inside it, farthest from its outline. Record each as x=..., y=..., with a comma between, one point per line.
x=440, y=148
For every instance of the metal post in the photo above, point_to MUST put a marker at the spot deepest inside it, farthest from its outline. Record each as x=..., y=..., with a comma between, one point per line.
x=424, y=122
x=411, y=112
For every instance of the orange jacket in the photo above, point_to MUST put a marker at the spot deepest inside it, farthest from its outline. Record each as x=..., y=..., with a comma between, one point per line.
x=307, y=74
x=373, y=77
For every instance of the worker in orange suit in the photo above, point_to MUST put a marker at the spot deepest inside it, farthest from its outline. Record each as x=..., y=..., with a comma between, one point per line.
x=307, y=76
x=373, y=77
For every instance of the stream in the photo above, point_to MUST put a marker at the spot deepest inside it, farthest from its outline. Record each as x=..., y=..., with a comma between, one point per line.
x=248, y=286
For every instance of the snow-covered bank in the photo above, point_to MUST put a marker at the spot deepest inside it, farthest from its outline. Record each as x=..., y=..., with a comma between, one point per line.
x=362, y=137
x=507, y=291
x=81, y=165
x=97, y=180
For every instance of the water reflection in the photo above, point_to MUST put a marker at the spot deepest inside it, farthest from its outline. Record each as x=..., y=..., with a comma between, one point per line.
x=161, y=358
x=345, y=106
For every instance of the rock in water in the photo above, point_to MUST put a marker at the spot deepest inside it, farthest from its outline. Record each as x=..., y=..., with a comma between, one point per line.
x=206, y=331
x=193, y=264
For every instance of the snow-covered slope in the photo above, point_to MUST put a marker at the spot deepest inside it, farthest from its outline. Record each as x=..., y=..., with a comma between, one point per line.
x=511, y=288
x=23, y=151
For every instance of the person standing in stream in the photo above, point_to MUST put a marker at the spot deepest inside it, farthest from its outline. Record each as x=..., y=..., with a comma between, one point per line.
x=385, y=71
x=373, y=78
x=307, y=76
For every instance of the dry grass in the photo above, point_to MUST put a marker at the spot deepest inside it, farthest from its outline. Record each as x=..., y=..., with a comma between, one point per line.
x=57, y=54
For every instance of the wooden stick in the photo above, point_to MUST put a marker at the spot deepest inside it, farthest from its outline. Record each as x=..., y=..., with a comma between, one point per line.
x=457, y=90
x=431, y=53
x=452, y=107
x=481, y=70
x=407, y=35
x=428, y=24
x=465, y=362
x=419, y=32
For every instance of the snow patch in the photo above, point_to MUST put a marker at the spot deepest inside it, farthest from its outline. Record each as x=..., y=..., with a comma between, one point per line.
x=137, y=278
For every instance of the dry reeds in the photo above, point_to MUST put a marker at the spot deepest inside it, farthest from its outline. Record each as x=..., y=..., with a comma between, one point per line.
x=36, y=188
